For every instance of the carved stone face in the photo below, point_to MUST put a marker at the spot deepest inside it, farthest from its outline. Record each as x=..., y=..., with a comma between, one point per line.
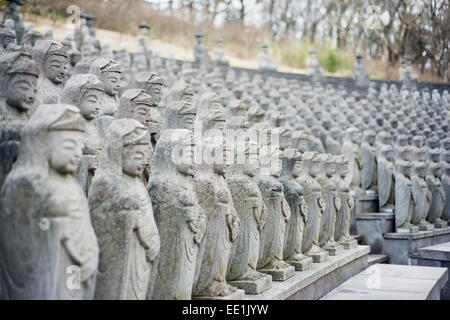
x=343, y=169
x=187, y=167
x=55, y=68
x=155, y=92
x=314, y=169
x=90, y=104
x=111, y=81
x=66, y=151
x=142, y=113
x=330, y=169
x=297, y=169
x=188, y=121
x=20, y=91
x=134, y=159
x=9, y=42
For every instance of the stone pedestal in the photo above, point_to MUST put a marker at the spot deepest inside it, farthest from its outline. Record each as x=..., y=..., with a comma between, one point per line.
x=364, y=203
x=387, y=210
x=319, y=256
x=372, y=227
x=334, y=251
x=279, y=274
x=440, y=225
x=253, y=286
x=320, y=279
x=408, y=230
x=237, y=295
x=435, y=256
x=426, y=227
x=303, y=265
x=400, y=246
x=350, y=245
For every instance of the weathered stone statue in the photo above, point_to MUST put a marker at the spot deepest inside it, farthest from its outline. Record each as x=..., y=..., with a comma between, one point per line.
x=12, y=12
x=201, y=56
x=404, y=199
x=136, y=104
x=293, y=193
x=122, y=216
x=446, y=185
x=313, y=67
x=179, y=218
x=19, y=76
x=332, y=206
x=386, y=180
x=252, y=212
x=352, y=151
x=422, y=197
x=85, y=91
x=181, y=91
x=152, y=84
x=344, y=215
x=406, y=73
x=109, y=72
x=48, y=248
x=278, y=215
x=51, y=57
x=360, y=75
x=316, y=204
x=219, y=54
x=264, y=61
x=369, y=159
x=437, y=196
x=8, y=39
x=222, y=224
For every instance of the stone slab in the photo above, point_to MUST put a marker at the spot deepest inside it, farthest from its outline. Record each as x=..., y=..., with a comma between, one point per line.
x=392, y=282
x=253, y=287
x=401, y=246
x=350, y=245
x=426, y=227
x=280, y=274
x=320, y=279
x=372, y=227
x=318, y=257
x=377, y=258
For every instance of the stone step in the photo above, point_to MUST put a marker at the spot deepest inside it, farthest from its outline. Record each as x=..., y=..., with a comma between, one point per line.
x=320, y=279
x=392, y=282
x=377, y=258
x=372, y=226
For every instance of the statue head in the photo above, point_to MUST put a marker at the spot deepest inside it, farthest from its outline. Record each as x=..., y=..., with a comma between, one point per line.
x=402, y=140
x=53, y=140
x=19, y=75
x=435, y=169
x=84, y=91
x=369, y=137
x=180, y=115
x=271, y=157
x=151, y=83
x=330, y=165
x=8, y=39
x=434, y=155
x=316, y=166
x=181, y=91
x=299, y=140
x=51, y=57
x=343, y=166
x=199, y=38
x=418, y=141
x=109, y=72
x=420, y=169
x=136, y=104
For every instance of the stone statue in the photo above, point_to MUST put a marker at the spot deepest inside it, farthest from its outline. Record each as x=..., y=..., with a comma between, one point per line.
x=252, y=212
x=109, y=72
x=422, y=197
x=122, y=216
x=51, y=57
x=369, y=159
x=136, y=104
x=313, y=69
x=181, y=91
x=85, y=91
x=278, y=215
x=201, y=56
x=352, y=151
x=404, y=199
x=219, y=54
x=332, y=206
x=446, y=185
x=386, y=180
x=8, y=41
x=316, y=204
x=264, y=61
x=344, y=215
x=19, y=76
x=48, y=248
x=293, y=193
x=360, y=75
x=179, y=218
x=12, y=12
x=406, y=73
x=152, y=84
x=222, y=224
x=437, y=196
